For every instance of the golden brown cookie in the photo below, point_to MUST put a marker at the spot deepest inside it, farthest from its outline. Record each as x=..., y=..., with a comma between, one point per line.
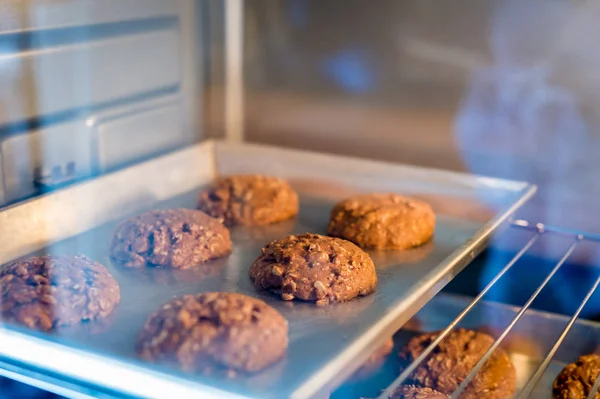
x=316, y=268
x=177, y=238
x=577, y=379
x=250, y=200
x=47, y=292
x=382, y=221
x=413, y=392
x=216, y=331
x=452, y=360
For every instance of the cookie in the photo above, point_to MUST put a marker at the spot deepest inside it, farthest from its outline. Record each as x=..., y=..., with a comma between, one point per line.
x=250, y=200
x=376, y=359
x=313, y=267
x=47, y=292
x=177, y=238
x=577, y=379
x=413, y=392
x=382, y=221
x=453, y=359
x=213, y=332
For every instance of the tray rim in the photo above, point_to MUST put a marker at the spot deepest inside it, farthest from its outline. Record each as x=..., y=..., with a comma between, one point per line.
x=14, y=338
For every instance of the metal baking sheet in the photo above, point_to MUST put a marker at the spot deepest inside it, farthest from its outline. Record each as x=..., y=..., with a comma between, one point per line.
x=527, y=343
x=326, y=343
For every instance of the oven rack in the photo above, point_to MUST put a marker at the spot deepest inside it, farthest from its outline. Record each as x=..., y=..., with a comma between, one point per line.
x=537, y=231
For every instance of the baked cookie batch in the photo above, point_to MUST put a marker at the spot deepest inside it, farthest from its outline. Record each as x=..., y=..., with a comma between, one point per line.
x=224, y=332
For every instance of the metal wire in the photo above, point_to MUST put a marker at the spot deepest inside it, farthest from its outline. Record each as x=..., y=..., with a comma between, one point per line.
x=514, y=321
x=594, y=390
x=538, y=230
x=408, y=371
x=542, y=367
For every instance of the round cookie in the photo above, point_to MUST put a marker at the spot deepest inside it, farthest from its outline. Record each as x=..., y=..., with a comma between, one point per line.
x=47, y=292
x=250, y=200
x=215, y=331
x=577, y=379
x=453, y=359
x=178, y=238
x=413, y=392
x=382, y=221
x=316, y=268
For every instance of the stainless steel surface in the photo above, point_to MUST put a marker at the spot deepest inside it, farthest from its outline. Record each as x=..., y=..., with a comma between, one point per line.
x=538, y=377
x=326, y=343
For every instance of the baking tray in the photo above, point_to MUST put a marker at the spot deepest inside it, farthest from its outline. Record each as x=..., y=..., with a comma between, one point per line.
x=327, y=343
x=527, y=343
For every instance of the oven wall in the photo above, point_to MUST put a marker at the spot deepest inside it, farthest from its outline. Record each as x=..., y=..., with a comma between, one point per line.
x=89, y=87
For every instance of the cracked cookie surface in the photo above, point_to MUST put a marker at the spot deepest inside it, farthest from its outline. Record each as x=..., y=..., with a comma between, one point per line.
x=215, y=331
x=577, y=379
x=250, y=200
x=453, y=359
x=382, y=221
x=177, y=238
x=312, y=267
x=46, y=292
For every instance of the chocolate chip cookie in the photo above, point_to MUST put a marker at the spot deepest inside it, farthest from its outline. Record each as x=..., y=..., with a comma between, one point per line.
x=413, y=392
x=313, y=267
x=177, y=238
x=214, y=332
x=382, y=221
x=452, y=360
x=250, y=200
x=47, y=292
x=577, y=379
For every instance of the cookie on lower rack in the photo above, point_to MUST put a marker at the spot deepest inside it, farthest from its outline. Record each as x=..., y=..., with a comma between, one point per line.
x=413, y=392
x=382, y=221
x=177, y=238
x=454, y=358
x=312, y=267
x=251, y=200
x=47, y=292
x=577, y=379
x=213, y=332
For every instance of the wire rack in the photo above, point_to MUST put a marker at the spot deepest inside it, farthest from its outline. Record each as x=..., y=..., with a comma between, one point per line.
x=537, y=231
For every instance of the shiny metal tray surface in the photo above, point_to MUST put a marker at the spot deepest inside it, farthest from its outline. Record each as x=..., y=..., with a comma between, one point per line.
x=528, y=343
x=327, y=344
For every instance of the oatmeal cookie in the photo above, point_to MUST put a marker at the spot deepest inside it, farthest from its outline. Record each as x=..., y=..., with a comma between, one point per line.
x=413, y=392
x=316, y=268
x=577, y=379
x=382, y=221
x=178, y=238
x=213, y=332
x=47, y=292
x=251, y=200
x=450, y=363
